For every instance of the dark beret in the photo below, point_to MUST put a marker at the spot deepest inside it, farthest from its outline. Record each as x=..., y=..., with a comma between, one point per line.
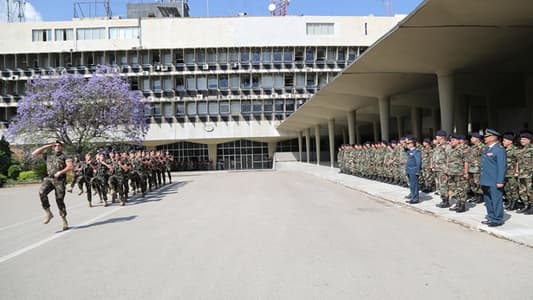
x=477, y=135
x=508, y=136
x=526, y=134
x=427, y=140
x=394, y=142
x=441, y=133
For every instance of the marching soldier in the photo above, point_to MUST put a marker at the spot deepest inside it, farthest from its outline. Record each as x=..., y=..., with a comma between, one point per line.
x=57, y=167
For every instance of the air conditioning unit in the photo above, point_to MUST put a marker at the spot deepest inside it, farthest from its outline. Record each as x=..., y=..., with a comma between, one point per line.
x=164, y=68
x=205, y=67
x=200, y=96
x=14, y=77
x=146, y=73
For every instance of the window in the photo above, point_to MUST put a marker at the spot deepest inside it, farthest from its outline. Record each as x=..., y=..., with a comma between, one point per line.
x=42, y=35
x=246, y=107
x=156, y=109
x=234, y=82
x=289, y=106
x=212, y=82
x=167, y=84
x=64, y=34
x=222, y=56
x=191, y=84
x=235, y=107
x=223, y=82
x=266, y=56
x=246, y=81
x=180, y=109
x=320, y=28
x=224, y=108
x=257, y=106
x=91, y=34
x=267, y=106
x=278, y=81
x=124, y=33
x=267, y=82
x=202, y=108
x=213, y=108
x=300, y=80
x=288, y=55
x=180, y=84
x=245, y=55
x=167, y=110
x=278, y=106
x=157, y=85
x=201, y=83
x=191, y=109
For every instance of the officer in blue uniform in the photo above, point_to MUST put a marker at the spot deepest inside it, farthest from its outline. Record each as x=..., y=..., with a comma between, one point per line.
x=412, y=169
x=493, y=166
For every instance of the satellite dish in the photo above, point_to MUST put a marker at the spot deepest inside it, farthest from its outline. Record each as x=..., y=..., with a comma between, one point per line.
x=271, y=7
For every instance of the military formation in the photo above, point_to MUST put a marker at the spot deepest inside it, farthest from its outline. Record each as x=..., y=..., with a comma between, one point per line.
x=450, y=168
x=109, y=174
x=114, y=174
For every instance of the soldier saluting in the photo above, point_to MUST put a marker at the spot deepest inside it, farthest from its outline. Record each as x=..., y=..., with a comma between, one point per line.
x=57, y=167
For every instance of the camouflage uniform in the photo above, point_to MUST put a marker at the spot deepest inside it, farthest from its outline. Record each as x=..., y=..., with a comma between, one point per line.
x=427, y=180
x=99, y=182
x=55, y=162
x=116, y=182
x=525, y=170
x=457, y=184
x=438, y=165
x=511, y=182
x=474, y=171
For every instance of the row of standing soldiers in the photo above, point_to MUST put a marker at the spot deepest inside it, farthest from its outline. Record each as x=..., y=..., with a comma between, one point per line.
x=115, y=172
x=450, y=167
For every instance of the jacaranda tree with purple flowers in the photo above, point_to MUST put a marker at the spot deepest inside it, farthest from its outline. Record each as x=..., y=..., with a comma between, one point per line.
x=79, y=111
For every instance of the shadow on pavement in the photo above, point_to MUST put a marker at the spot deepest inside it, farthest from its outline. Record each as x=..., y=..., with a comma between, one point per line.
x=157, y=195
x=108, y=221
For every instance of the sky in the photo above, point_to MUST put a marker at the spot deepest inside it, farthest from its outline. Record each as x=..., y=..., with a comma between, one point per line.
x=63, y=10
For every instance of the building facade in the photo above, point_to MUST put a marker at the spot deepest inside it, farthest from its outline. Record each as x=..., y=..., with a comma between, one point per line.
x=215, y=88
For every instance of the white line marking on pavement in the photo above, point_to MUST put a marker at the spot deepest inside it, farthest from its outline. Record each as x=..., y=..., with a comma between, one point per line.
x=33, y=219
x=53, y=237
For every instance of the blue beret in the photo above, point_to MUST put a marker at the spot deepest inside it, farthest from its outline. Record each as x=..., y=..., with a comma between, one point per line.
x=489, y=132
x=460, y=137
x=441, y=133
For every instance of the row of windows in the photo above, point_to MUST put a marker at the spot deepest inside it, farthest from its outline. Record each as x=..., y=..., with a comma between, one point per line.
x=184, y=57
x=67, y=34
x=235, y=81
x=222, y=108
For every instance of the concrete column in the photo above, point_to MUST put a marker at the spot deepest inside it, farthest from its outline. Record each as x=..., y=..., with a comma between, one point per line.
x=272, y=149
x=357, y=134
x=351, y=117
x=446, y=99
x=317, y=142
x=307, y=133
x=415, y=121
x=399, y=124
x=331, y=134
x=460, y=113
x=344, y=136
x=436, y=122
x=212, y=155
x=384, y=117
x=376, y=133
x=529, y=99
x=299, y=146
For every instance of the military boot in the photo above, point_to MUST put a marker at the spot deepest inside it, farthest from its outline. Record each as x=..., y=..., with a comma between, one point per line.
x=512, y=205
x=479, y=199
x=524, y=209
x=460, y=207
x=65, y=223
x=529, y=211
x=48, y=216
x=444, y=203
x=455, y=207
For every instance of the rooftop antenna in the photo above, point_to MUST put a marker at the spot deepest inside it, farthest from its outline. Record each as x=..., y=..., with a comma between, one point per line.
x=16, y=11
x=278, y=7
x=89, y=9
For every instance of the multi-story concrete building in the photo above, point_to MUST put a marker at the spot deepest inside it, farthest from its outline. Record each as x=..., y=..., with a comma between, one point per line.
x=215, y=88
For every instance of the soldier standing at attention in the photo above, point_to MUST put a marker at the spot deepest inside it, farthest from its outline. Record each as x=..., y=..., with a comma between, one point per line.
x=457, y=172
x=493, y=166
x=511, y=181
x=412, y=169
x=525, y=170
x=474, y=160
x=427, y=175
x=438, y=162
x=57, y=167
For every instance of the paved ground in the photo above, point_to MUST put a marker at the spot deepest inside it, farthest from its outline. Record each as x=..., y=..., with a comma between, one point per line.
x=251, y=235
x=517, y=228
